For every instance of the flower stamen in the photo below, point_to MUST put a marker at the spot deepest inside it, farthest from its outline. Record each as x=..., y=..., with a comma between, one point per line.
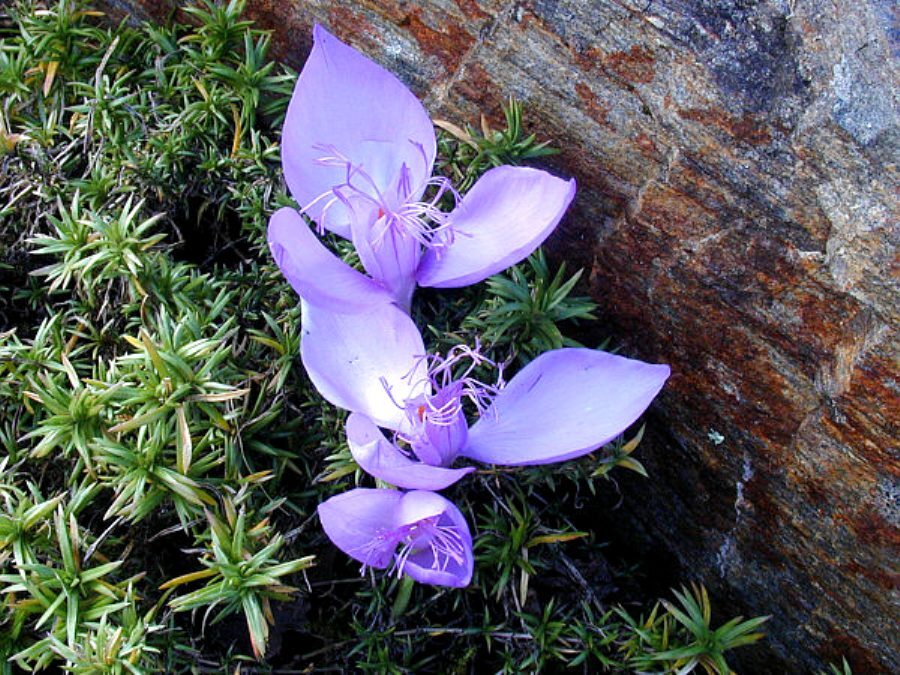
x=445, y=543
x=423, y=221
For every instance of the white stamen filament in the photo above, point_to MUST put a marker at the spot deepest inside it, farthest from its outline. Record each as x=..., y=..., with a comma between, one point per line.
x=440, y=374
x=442, y=416
x=376, y=545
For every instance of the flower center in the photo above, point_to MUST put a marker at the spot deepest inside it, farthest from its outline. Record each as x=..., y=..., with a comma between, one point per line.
x=438, y=428
x=440, y=542
x=443, y=544
x=423, y=221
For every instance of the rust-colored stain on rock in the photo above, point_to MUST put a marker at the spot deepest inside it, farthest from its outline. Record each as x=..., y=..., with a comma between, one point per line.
x=886, y=580
x=631, y=67
x=348, y=23
x=478, y=86
x=745, y=129
x=472, y=10
x=592, y=106
x=647, y=147
x=634, y=65
x=447, y=41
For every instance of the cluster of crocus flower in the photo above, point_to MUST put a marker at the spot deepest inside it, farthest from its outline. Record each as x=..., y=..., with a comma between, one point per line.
x=358, y=150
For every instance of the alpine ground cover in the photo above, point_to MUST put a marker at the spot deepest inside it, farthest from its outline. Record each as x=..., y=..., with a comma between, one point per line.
x=164, y=452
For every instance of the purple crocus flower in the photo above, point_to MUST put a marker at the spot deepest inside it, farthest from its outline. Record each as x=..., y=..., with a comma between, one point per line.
x=358, y=150
x=435, y=545
x=564, y=404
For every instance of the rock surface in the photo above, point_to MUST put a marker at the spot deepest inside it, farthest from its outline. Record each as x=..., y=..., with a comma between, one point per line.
x=737, y=211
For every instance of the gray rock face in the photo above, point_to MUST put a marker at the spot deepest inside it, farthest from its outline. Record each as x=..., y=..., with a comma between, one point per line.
x=737, y=209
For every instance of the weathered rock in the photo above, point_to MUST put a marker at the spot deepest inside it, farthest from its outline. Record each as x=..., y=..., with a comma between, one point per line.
x=737, y=210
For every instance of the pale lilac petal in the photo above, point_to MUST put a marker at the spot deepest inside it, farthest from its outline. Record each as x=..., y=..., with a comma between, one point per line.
x=446, y=563
x=344, y=101
x=564, y=404
x=506, y=215
x=319, y=276
x=419, y=505
x=359, y=523
x=369, y=362
x=382, y=459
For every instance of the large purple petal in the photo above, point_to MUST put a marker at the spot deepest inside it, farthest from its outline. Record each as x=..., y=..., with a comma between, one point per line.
x=345, y=102
x=564, y=404
x=382, y=459
x=318, y=276
x=354, y=360
x=442, y=555
x=359, y=523
x=506, y=215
